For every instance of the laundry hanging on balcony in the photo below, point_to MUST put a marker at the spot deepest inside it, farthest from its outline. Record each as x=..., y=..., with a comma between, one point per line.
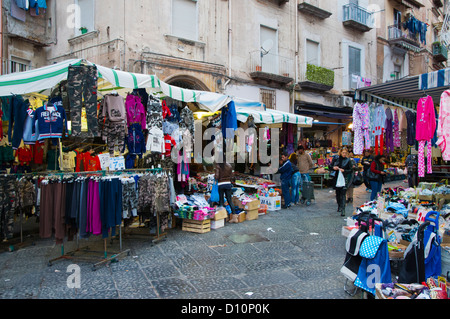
x=416, y=28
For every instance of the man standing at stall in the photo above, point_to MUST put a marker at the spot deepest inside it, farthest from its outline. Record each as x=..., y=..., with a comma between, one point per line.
x=304, y=163
x=286, y=172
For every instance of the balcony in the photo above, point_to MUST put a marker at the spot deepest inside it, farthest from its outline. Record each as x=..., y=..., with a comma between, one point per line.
x=311, y=7
x=271, y=67
x=357, y=18
x=440, y=52
x=317, y=78
x=405, y=40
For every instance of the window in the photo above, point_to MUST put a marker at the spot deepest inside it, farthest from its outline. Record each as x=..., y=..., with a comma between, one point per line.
x=185, y=19
x=312, y=52
x=268, y=97
x=19, y=65
x=84, y=19
x=269, y=49
x=398, y=19
x=354, y=64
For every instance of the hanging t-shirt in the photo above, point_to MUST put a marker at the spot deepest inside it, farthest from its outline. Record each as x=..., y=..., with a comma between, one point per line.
x=155, y=140
x=68, y=161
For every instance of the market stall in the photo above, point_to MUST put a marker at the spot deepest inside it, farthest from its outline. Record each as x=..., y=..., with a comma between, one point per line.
x=99, y=142
x=406, y=117
x=404, y=220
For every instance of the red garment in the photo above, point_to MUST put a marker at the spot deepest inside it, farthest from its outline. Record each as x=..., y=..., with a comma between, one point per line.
x=87, y=163
x=373, y=168
x=25, y=155
x=169, y=142
x=91, y=163
x=38, y=150
x=165, y=110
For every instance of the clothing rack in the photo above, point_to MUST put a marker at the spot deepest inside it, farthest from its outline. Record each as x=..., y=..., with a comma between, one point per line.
x=104, y=256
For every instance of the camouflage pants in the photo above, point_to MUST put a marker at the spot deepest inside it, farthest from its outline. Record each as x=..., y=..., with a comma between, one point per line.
x=8, y=204
x=115, y=134
x=82, y=84
x=129, y=198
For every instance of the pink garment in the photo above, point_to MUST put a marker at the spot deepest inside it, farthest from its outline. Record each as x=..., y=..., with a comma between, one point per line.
x=425, y=128
x=443, y=130
x=397, y=140
x=361, y=127
x=426, y=119
x=135, y=111
x=93, y=221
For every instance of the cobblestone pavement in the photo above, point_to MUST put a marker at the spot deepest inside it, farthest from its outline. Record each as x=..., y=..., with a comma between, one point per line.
x=293, y=253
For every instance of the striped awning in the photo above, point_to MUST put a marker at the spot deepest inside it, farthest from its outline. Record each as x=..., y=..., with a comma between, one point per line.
x=272, y=117
x=49, y=76
x=406, y=92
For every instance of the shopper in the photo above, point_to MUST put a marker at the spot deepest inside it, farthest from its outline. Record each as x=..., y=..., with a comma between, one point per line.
x=351, y=187
x=286, y=172
x=304, y=163
x=342, y=163
x=223, y=173
x=376, y=175
x=296, y=180
x=366, y=161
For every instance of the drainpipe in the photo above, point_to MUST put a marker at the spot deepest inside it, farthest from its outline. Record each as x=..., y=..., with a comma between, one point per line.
x=296, y=60
x=229, y=44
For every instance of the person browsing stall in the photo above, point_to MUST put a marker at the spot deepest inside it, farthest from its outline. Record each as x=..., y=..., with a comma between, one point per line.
x=286, y=172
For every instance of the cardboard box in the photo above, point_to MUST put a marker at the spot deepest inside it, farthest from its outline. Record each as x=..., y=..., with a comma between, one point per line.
x=216, y=224
x=426, y=197
x=252, y=214
x=254, y=204
x=241, y=217
x=273, y=203
x=237, y=203
x=220, y=214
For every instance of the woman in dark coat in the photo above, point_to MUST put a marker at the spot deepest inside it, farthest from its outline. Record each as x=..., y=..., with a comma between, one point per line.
x=344, y=164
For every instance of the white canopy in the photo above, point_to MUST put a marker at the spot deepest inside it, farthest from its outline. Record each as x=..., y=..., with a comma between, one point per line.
x=272, y=117
x=49, y=76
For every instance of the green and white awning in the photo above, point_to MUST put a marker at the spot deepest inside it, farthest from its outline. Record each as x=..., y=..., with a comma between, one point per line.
x=272, y=117
x=49, y=76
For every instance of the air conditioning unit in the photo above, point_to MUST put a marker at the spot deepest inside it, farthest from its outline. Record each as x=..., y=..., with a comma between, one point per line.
x=346, y=101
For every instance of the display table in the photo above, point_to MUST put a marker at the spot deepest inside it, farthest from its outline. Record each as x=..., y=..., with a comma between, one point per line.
x=319, y=179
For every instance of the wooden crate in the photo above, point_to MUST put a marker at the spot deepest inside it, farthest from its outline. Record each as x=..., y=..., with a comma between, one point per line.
x=196, y=226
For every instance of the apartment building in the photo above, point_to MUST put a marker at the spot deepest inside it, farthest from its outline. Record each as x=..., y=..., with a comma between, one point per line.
x=291, y=55
x=25, y=35
x=403, y=50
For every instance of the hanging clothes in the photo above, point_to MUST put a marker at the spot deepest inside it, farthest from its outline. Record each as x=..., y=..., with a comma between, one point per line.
x=18, y=115
x=361, y=123
x=379, y=120
x=389, y=141
x=135, y=111
x=8, y=204
x=425, y=129
x=49, y=122
x=112, y=121
x=411, y=130
x=443, y=129
x=396, y=128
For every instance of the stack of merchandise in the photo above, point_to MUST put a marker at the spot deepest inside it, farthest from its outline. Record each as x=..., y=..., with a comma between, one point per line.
x=270, y=197
x=193, y=207
x=433, y=288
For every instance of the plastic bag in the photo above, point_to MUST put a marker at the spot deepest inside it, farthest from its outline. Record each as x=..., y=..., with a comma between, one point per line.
x=214, y=193
x=340, y=180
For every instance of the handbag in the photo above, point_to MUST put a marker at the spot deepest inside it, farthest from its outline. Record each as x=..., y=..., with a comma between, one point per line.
x=359, y=179
x=215, y=193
